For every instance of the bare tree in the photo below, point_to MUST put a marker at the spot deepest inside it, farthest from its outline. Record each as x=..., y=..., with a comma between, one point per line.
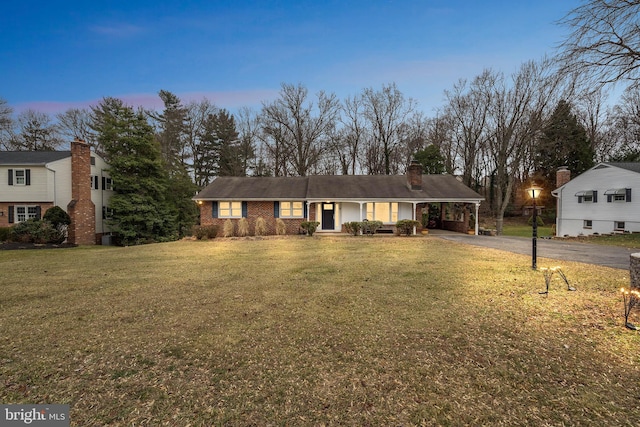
x=248, y=129
x=299, y=128
x=516, y=115
x=604, y=42
x=468, y=107
x=353, y=133
x=592, y=112
x=6, y=125
x=440, y=133
x=386, y=111
x=75, y=123
x=624, y=128
x=36, y=131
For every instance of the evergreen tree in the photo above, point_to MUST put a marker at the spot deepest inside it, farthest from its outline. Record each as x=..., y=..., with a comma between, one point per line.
x=141, y=210
x=431, y=160
x=563, y=142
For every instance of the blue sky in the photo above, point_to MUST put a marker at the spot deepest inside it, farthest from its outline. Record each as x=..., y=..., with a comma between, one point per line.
x=59, y=54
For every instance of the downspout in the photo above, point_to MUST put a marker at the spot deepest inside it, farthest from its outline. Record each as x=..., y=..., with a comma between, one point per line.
x=413, y=217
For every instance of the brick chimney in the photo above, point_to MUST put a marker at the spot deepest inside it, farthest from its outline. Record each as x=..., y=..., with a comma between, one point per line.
x=414, y=176
x=563, y=175
x=81, y=209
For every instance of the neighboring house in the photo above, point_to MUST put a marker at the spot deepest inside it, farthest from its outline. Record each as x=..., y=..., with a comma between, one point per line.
x=605, y=199
x=77, y=181
x=333, y=200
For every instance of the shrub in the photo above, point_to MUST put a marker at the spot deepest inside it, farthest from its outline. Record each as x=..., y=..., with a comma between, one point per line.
x=205, y=231
x=370, y=227
x=539, y=220
x=260, y=227
x=353, y=227
x=281, y=227
x=5, y=233
x=57, y=217
x=405, y=226
x=36, y=231
x=243, y=227
x=309, y=226
x=228, y=229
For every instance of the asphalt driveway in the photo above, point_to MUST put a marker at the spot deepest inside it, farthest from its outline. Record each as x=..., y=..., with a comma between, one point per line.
x=608, y=256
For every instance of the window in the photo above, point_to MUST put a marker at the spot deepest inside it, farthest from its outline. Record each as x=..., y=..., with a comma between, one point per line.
x=588, y=196
x=19, y=177
x=93, y=161
x=107, y=183
x=291, y=209
x=107, y=212
x=619, y=226
x=385, y=212
x=230, y=210
x=24, y=213
x=618, y=195
x=587, y=223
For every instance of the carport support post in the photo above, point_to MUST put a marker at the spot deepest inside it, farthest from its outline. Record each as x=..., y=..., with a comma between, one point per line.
x=477, y=208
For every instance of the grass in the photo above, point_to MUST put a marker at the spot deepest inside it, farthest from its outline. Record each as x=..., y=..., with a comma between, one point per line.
x=314, y=331
x=517, y=226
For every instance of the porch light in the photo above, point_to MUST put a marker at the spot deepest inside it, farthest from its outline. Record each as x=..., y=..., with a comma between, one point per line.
x=534, y=192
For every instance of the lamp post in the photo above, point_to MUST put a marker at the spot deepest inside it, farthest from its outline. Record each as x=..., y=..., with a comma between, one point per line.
x=534, y=192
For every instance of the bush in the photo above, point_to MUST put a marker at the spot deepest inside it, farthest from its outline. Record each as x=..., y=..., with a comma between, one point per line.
x=260, y=227
x=228, y=229
x=309, y=226
x=539, y=220
x=243, y=227
x=205, y=231
x=370, y=227
x=353, y=227
x=5, y=233
x=36, y=231
x=281, y=227
x=406, y=226
x=57, y=217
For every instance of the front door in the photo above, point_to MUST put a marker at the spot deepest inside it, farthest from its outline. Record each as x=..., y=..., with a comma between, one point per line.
x=328, y=216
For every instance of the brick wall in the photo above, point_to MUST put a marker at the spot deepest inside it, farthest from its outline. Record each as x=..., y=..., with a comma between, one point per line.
x=81, y=209
x=255, y=210
x=4, y=208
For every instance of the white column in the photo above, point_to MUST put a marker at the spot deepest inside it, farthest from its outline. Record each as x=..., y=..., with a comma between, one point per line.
x=477, y=207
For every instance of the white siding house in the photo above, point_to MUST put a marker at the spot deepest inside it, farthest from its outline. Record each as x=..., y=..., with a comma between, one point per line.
x=603, y=200
x=33, y=181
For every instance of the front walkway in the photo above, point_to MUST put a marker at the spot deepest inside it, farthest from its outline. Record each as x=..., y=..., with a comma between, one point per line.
x=608, y=256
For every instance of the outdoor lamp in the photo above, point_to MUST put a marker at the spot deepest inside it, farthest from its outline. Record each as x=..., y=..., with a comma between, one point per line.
x=534, y=192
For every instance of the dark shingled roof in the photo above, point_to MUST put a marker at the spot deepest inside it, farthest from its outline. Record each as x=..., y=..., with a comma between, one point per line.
x=31, y=157
x=631, y=166
x=337, y=187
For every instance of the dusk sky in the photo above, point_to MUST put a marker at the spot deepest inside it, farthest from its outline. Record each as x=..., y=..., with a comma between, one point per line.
x=59, y=54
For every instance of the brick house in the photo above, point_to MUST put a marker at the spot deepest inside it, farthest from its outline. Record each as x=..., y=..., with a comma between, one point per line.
x=333, y=200
x=76, y=180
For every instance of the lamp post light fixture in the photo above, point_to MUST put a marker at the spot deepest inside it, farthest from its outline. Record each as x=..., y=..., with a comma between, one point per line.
x=534, y=192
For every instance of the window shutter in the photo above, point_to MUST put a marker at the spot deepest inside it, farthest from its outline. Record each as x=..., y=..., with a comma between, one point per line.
x=10, y=214
x=595, y=196
x=27, y=177
x=579, y=199
x=214, y=209
x=95, y=182
x=38, y=212
x=244, y=209
x=10, y=176
x=628, y=194
x=304, y=207
x=104, y=183
x=276, y=209
x=104, y=208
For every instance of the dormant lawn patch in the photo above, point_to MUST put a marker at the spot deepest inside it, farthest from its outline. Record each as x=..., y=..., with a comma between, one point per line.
x=313, y=331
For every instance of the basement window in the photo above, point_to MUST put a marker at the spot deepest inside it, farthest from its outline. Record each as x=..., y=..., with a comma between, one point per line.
x=587, y=223
x=619, y=226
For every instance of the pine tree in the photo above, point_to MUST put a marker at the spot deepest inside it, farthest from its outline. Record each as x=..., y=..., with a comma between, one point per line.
x=141, y=210
x=563, y=142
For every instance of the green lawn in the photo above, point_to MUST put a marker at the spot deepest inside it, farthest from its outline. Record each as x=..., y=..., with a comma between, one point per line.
x=314, y=331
